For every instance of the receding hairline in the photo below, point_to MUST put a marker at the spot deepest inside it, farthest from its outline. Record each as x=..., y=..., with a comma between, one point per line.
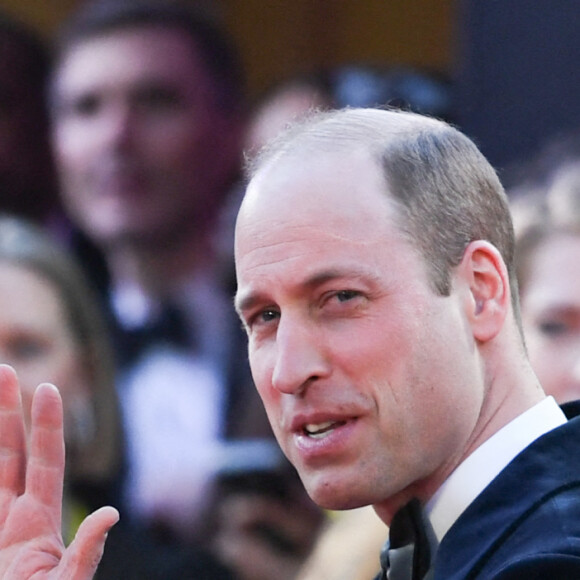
x=447, y=192
x=368, y=129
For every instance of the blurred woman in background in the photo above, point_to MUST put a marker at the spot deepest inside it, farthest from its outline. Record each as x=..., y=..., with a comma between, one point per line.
x=51, y=330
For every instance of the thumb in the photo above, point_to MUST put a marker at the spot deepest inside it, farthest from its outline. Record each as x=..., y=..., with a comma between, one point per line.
x=81, y=559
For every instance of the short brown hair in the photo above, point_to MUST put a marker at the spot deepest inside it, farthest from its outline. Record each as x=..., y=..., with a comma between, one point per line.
x=215, y=48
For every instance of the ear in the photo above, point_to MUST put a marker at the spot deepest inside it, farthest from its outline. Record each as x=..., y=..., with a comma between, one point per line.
x=484, y=273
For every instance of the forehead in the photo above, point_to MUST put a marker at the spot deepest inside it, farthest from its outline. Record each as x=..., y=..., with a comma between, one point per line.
x=131, y=54
x=28, y=286
x=315, y=186
x=337, y=198
x=554, y=274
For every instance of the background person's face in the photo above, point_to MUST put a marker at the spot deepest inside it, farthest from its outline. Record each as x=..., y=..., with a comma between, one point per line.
x=369, y=379
x=550, y=306
x=35, y=337
x=141, y=148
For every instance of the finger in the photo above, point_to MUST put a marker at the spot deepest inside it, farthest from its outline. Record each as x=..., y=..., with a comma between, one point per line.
x=12, y=435
x=45, y=469
x=82, y=557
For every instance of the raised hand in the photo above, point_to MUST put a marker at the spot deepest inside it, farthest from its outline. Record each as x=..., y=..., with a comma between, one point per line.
x=31, y=487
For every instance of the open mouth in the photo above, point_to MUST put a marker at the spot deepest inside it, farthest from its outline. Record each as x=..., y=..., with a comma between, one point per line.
x=321, y=430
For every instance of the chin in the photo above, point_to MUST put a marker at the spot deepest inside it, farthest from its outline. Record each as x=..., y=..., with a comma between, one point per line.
x=332, y=495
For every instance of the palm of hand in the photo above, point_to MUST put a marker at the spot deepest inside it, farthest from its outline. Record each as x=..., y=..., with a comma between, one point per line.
x=31, y=547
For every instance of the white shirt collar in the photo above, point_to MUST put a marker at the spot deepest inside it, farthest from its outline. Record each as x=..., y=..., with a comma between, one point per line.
x=477, y=471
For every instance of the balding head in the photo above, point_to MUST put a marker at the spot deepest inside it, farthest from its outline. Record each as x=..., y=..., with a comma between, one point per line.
x=447, y=192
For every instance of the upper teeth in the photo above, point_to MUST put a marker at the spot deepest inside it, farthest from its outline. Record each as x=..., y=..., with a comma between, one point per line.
x=318, y=429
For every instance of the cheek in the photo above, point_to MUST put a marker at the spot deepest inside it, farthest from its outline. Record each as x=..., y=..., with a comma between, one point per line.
x=59, y=366
x=75, y=175
x=546, y=355
x=32, y=372
x=270, y=397
x=425, y=388
x=379, y=363
x=66, y=373
x=262, y=376
x=540, y=354
x=262, y=359
x=70, y=145
x=555, y=363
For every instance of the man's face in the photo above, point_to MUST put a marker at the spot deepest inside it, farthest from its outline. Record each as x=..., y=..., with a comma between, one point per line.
x=142, y=150
x=367, y=375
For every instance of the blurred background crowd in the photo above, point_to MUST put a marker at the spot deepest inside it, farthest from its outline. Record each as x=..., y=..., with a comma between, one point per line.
x=124, y=125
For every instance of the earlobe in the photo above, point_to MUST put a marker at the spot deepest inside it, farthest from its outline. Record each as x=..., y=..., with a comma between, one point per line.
x=488, y=296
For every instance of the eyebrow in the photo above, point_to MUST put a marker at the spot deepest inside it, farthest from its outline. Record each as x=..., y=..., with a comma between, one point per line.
x=244, y=303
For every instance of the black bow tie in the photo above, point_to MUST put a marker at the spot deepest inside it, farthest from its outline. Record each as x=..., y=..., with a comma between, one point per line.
x=410, y=550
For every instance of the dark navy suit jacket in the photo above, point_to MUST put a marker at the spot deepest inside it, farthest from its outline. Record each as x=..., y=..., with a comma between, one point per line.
x=526, y=524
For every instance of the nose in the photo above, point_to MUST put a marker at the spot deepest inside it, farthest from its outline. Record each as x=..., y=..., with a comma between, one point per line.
x=118, y=125
x=301, y=358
